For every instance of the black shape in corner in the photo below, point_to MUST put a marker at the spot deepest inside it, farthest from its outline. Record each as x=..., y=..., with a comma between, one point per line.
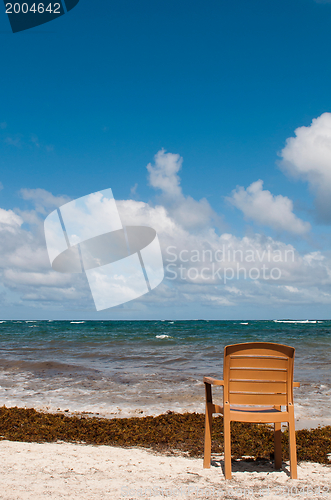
x=70, y=4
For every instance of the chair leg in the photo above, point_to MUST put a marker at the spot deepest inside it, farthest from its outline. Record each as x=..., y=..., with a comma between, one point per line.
x=292, y=443
x=208, y=426
x=278, y=444
x=227, y=443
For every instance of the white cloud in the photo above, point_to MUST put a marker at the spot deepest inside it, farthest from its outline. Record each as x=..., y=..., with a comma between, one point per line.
x=14, y=141
x=301, y=273
x=262, y=207
x=304, y=279
x=133, y=190
x=20, y=141
x=308, y=157
x=10, y=219
x=206, y=250
x=43, y=200
x=48, y=279
x=35, y=141
x=24, y=264
x=189, y=213
x=164, y=173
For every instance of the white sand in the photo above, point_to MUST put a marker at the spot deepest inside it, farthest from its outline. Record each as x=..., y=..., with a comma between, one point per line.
x=72, y=471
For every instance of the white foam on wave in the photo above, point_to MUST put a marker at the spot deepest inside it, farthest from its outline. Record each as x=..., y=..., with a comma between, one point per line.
x=162, y=336
x=305, y=321
x=2, y=322
x=244, y=323
x=30, y=321
x=77, y=322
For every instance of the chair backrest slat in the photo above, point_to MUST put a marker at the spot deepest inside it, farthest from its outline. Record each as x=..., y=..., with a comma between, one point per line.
x=261, y=386
x=259, y=362
x=258, y=373
x=258, y=399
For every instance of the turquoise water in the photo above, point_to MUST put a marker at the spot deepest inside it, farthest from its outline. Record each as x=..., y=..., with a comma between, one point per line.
x=146, y=367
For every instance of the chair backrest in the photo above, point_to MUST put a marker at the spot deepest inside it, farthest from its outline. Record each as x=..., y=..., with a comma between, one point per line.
x=258, y=373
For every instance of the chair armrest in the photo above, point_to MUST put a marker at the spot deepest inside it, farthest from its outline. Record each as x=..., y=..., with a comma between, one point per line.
x=212, y=381
x=296, y=384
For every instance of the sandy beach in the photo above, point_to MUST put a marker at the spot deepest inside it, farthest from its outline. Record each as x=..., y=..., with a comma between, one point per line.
x=77, y=471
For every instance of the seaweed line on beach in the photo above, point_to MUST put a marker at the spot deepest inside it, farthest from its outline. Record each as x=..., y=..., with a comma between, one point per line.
x=170, y=433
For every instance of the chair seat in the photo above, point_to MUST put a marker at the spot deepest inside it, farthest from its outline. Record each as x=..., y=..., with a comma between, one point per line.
x=249, y=409
x=255, y=409
x=266, y=415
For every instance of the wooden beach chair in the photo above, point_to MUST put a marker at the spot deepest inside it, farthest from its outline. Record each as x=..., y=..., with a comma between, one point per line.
x=258, y=381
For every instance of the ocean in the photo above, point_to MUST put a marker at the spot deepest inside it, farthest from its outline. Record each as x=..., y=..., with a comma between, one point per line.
x=130, y=368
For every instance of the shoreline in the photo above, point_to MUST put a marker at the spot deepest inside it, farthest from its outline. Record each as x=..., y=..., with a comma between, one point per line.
x=127, y=369
x=169, y=432
x=304, y=423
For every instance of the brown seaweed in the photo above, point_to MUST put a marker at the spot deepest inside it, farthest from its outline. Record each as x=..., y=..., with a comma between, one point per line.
x=171, y=433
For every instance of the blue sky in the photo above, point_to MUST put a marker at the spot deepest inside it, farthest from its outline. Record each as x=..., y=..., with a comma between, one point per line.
x=88, y=100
